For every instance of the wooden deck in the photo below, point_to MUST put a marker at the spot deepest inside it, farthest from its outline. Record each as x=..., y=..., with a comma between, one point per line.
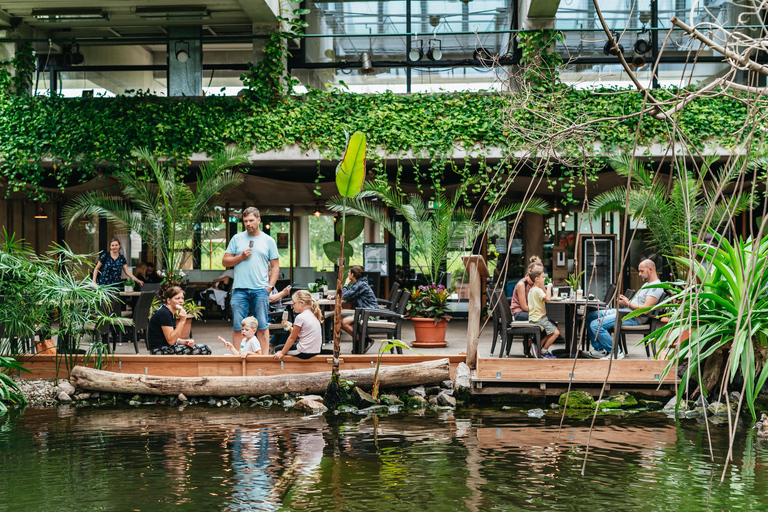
x=493, y=376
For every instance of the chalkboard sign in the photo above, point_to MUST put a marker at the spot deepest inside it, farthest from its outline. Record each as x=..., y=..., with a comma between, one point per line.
x=375, y=258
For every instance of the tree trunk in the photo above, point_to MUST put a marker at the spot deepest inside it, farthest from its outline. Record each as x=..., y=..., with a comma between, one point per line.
x=309, y=383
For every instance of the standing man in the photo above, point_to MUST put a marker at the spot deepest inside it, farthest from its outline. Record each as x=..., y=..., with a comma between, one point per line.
x=600, y=322
x=253, y=254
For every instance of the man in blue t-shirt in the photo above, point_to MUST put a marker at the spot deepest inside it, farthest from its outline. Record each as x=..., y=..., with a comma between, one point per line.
x=253, y=254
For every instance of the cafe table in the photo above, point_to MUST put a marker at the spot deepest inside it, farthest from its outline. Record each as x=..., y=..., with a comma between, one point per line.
x=571, y=327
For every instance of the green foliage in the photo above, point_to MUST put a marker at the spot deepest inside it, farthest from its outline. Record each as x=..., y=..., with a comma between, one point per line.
x=350, y=173
x=267, y=82
x=673, y=214
x=52, y=293
x=386, y=346
x=101, y=132
x=430, y=301
x=432, y=232
x=351, y=228
x=574, y=280
x=540, y=60
x=727, y=310
x=190, y=307
x=16, y=74
x=169, y=211
x=10, y=392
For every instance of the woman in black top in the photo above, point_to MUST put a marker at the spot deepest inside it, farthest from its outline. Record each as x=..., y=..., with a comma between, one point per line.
x=111, y=265
x=163, y=330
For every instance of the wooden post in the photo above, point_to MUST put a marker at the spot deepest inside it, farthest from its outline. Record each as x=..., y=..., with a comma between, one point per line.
x=243, y=360
x=478, y=272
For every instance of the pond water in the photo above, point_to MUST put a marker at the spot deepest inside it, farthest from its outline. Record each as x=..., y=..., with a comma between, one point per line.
x=160, y=458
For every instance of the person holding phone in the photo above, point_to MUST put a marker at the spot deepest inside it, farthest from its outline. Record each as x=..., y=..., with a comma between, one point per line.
x=164, y=330
x=255, y=259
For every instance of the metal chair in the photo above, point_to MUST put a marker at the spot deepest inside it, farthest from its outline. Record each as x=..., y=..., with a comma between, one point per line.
x=495, y=318
x=364, y=326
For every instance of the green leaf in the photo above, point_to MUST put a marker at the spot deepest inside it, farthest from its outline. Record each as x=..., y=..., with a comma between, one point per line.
x=355, y=226
x=350, y=172
x=333, y=251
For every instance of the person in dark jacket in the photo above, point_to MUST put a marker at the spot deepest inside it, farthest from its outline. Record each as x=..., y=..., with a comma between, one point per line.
x=358, y=292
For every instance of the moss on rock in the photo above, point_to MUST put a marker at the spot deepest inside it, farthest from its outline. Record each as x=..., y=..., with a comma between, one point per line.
x=577, y=400
x=620, y=401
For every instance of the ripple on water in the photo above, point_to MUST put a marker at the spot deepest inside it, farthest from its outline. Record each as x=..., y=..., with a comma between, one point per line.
x=245, y=459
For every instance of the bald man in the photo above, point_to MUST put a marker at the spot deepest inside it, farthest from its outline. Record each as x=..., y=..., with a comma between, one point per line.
x=600, y=322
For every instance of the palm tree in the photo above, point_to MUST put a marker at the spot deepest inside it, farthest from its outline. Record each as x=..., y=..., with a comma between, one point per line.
x=432, y=232
x=673, y=214
x=170, y=212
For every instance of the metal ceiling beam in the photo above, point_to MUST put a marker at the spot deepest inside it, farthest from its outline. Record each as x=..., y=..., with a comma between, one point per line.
x=260, y=11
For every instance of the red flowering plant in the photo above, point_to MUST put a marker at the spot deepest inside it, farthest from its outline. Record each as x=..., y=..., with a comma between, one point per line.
x=430, y=301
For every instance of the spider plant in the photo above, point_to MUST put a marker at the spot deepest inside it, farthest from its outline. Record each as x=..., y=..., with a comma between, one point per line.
x=171, y=213
x=10, y=392
x=53, y=295
x=724, y=307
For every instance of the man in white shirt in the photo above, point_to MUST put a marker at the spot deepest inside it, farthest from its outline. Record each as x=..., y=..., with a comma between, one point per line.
x=600, y=322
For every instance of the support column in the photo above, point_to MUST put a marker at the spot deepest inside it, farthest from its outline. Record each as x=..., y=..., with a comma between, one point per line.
x=301, y=230
x=185, y=61
x=533, y=235
x=371, y=232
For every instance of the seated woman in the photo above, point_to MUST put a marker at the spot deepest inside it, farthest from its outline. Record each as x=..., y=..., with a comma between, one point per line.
x=518, y=306
x=359, y=293
x=163, y=331
x=306, y=328
x=141, y=272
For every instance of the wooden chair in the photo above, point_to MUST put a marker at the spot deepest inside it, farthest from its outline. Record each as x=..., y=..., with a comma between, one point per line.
x=510, y=328
x=389, y=324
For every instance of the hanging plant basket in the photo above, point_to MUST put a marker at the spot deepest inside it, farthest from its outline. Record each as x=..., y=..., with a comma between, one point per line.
x=428, y=333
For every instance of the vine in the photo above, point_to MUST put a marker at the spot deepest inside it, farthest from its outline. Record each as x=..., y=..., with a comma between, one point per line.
x=16, y=74
x=91, y=137
x=540, y=60
x=267, y=82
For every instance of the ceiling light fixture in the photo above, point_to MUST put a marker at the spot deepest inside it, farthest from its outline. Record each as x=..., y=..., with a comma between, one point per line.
x=40, y=214
x=182, y=51
x=642, y=47
x=609, y=49
x=435, y=51
x=70, y=14
x=73, y=57
x=417, y=52
x=171, y=12
x=317, y=210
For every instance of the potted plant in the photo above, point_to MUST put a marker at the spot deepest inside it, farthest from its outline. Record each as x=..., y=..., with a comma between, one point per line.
x=428, y=309
x=128, y=285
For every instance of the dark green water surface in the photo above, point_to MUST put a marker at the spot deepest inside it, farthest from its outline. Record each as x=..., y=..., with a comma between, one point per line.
x=160, y=458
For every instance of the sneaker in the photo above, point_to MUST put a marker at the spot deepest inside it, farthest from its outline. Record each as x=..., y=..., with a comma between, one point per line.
x=597, y=354
x=619, y=355
x=547, y=355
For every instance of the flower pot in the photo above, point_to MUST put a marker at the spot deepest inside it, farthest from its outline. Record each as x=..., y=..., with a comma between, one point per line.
x=428, y=333
x=187, y=329
x=128, y=288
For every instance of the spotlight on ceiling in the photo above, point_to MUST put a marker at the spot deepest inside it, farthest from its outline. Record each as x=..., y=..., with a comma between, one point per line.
x=72, y=56
x=435, y=51
x=642, y=47
x=609, y=49
x=417, y=51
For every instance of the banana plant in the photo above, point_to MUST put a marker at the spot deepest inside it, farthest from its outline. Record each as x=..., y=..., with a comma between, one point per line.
x=350, y=175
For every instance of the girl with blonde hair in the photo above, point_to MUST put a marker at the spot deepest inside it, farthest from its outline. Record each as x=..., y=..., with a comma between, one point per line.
x=306, y=328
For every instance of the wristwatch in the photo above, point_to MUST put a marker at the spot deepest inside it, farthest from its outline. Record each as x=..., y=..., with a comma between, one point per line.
x=270, y=287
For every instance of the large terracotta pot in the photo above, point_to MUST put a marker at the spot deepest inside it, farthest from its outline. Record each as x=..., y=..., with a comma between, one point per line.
x=428, y=333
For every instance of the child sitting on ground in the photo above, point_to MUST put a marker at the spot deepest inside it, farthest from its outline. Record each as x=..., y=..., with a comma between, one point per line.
x=306, y=328
x=537, y=297
x=250, y=344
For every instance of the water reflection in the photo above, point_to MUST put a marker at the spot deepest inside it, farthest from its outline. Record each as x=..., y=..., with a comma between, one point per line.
x=253, y=459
